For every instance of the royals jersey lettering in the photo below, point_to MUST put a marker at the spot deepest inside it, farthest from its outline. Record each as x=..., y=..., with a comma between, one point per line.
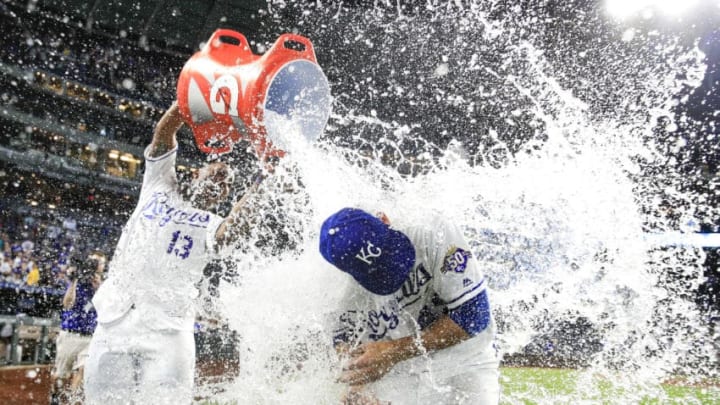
x=445, y=276
x=161, y=253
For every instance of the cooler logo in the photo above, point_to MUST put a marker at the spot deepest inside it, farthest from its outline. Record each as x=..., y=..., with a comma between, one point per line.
x=224, y=98
x=456, y=260
x=224, y=95
x=158, y=208
x=368, y=253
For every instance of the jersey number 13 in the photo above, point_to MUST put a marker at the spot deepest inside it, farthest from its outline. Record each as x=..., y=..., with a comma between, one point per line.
x=182, y=249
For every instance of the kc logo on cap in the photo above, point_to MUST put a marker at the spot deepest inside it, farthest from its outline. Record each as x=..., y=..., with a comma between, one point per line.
x=366, y=256
x=378, y=257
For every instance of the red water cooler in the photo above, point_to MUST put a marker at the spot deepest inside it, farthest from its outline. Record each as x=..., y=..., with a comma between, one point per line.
x=227, y=93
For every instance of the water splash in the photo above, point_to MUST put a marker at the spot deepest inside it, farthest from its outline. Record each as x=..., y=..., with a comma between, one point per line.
x=534, y=128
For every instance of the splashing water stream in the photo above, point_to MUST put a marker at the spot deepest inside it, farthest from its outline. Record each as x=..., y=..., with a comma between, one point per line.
x=538, y=137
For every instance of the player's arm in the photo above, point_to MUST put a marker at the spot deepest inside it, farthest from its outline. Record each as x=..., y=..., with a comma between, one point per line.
x=164, y=137
x=372, y=361
x=70, y=295
x=237, y=223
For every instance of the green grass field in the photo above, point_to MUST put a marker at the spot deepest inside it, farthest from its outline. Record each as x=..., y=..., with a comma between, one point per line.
x=564, y=386
x=528, y=386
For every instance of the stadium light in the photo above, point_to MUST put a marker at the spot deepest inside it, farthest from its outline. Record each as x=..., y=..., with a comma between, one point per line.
x=627, y=8
x=127, y=157
x=707, y=240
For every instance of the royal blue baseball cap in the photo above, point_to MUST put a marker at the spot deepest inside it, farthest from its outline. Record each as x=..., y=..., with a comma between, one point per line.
x=378, y=257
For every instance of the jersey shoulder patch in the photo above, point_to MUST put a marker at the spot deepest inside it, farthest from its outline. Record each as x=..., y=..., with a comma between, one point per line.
x=456, y=260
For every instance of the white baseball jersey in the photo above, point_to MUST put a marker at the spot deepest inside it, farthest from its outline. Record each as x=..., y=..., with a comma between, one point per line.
x=445, y=276
x=161, y=253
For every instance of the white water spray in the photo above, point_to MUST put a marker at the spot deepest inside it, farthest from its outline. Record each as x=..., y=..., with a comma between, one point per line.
x=555, y=195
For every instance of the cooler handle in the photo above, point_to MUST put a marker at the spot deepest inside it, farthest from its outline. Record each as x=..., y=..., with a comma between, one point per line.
x=296, y=44
x=222, y=39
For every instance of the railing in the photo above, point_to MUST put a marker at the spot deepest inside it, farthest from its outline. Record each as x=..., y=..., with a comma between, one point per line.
x=40, y=352
x=216, y=346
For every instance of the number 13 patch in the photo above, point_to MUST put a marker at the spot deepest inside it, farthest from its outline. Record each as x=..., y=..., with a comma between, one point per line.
x=456, y=260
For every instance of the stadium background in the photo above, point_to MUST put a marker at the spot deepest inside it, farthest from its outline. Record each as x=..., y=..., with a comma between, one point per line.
x=81, y=85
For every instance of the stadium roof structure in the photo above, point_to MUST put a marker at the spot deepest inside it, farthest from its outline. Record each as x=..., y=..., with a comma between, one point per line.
x=177, y=25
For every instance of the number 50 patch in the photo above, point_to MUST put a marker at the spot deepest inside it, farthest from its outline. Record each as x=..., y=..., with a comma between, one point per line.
x=456, y=260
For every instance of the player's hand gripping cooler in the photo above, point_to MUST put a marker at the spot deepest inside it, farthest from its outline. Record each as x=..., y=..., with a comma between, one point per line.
x=227, y=93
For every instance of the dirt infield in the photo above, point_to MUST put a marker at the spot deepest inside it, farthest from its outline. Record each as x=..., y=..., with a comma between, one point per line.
x=25, y=385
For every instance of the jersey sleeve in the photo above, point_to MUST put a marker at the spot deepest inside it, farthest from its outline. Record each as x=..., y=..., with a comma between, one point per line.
x=458, y=277
x=159, y=172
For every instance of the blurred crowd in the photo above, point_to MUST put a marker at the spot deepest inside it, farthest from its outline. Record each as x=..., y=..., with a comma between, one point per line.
x=36, y=252
x=74, y=54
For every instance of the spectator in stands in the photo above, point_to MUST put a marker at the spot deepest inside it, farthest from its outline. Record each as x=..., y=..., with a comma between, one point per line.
x=78, y=324
x=16, y=250
x=6, y=267
x=33, y=275
x=15, y=277
x=27, y=245
x=18, y=267
x=53, y=231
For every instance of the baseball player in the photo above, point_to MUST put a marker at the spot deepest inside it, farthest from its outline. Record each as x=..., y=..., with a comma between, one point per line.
x=78, y=323
x=143, y=348
x=415, y=327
